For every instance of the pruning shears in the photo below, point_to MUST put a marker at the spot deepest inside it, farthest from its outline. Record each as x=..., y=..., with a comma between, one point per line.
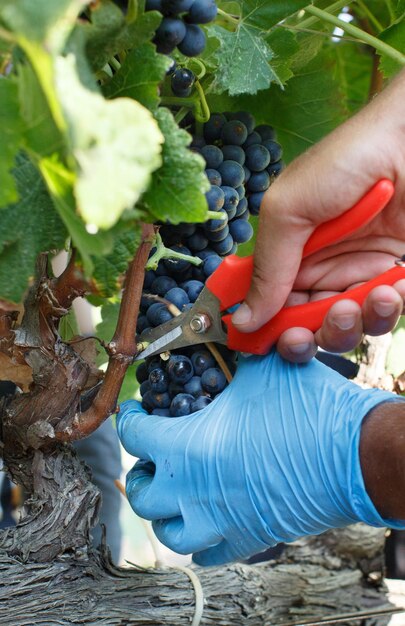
x=210, y=321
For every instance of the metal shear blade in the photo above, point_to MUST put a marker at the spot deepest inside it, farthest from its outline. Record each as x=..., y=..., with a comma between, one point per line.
x=201, y=324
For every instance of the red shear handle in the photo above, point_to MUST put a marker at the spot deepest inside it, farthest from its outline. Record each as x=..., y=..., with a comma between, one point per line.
x=309, y=316
x=231, y=281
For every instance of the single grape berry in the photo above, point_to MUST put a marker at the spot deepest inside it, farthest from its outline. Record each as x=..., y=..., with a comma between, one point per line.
x=194, y=387
x=259, y=181
x=213, y=380
x=181, y=404
x=225, y=246
x=232, y=173
x=233, y=153
x=265, y=131
x=257, y=158
x=158, y=380
x=178, y=297
x=254, y=202
x=246, y=118
x=213, y=128
x=275, y=150
x=182, y=82
x=193, y=42
x=214, y=176
x=162, y=284
x=213, y=156
x=234, y=132
x=252, y=139
x=179, y=368
x=219, y=235
x=215, y=198
x=241, y=230
x=211, y=264
x=170, y=33
x=202, y=12
x=202, y=360
x=193, y=288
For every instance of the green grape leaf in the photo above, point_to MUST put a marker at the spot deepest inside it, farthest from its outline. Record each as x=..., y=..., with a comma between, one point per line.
x=109, y=269
x=244, y=48
x=285, y=47
x=400, y=9
x=246, y=61
x=395, y=37
x=42, y=137
x=10, y=139
x=109, y=32
x=116, y=145
x=177, y=190
x=41, y=20
x=354, y=68
x=28, y=227
x=59, y=182
x=310, y=106
x=139, y=77
x=263, y=14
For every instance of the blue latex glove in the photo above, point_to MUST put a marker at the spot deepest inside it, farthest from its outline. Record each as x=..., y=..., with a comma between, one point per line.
x=273, y=458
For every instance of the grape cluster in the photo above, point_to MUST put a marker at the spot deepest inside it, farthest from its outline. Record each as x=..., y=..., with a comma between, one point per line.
x=241, y=161
x=180, y=24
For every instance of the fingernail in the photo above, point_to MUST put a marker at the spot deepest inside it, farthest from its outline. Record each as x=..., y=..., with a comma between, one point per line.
x=242, y=315
x=384, y=309
x=344, y=322
x=299, y=348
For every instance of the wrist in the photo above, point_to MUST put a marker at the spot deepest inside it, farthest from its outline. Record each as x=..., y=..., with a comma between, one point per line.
x=382, y=458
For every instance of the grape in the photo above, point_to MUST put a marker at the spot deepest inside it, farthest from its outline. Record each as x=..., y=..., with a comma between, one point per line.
x=214, y=176
x=213, y=156
x=144, y=387
x=182, y=82
x=257, y=158
x=233, y=153
x=252, y=139
x=241, y=161
x=176, y=6
x=275, y=150
x=193, y=42
x=219, y=235
x=213, y=128
x=213, y=380
x=193, y=288
x=181, y=404
x=241, y=231
x=234, y=132
x=170, y=33
x=179, y=368
x=197, y=242
x=232, y=173
x=225, y=246
x=194, y=387
x=242, y=206
x=142, y=372
x=275, y=168
x=202, y=360
x=202, y=12
x=162, y=284
x=254, y=202
x=200, y=403
x=211, y=264
x=259, y=181
x=215, y=198
x=178, y=297
x=158, y=380
x=266, y=132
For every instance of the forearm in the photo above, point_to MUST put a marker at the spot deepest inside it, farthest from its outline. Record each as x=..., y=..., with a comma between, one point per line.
x=382, y=458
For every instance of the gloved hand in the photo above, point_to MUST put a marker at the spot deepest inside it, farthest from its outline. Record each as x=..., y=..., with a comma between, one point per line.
x=273, y=458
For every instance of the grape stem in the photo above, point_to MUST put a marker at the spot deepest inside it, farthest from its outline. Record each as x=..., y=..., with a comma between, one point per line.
x=165, y=253
x=228, y=18
x=216, y=215
x=336, y=6
x=204, y=114
x=372, y=41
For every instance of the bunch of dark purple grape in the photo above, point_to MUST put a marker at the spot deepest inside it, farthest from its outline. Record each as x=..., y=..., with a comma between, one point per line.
x=241, y=159
x=180, y=24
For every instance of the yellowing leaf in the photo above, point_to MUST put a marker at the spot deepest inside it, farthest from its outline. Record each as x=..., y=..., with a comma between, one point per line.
x=116, y=146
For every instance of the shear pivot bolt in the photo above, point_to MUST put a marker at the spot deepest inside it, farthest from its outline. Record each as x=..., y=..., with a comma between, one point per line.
x=200, y=323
